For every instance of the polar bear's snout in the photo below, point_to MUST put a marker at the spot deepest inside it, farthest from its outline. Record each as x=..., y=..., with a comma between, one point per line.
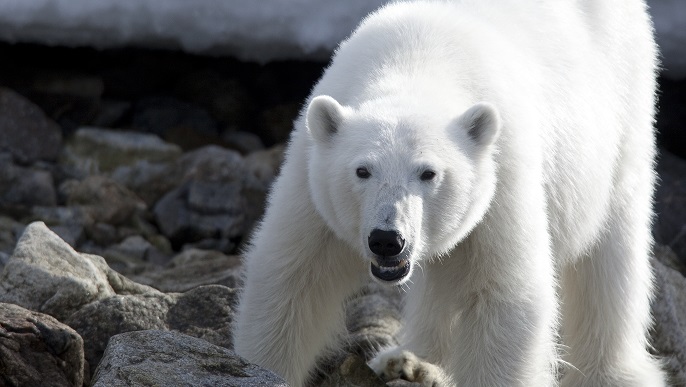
x=388, y=264
x=387, y=244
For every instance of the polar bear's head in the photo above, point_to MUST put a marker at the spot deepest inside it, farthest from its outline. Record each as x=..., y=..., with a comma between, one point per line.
x=400, y=187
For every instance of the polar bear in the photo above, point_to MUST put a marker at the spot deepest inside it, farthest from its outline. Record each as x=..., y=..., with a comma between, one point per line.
x=496, y=159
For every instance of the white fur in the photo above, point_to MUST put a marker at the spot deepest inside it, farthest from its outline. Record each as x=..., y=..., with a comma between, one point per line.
x=536, y=117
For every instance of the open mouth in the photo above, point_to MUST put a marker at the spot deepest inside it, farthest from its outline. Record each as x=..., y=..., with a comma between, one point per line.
x=390, y=270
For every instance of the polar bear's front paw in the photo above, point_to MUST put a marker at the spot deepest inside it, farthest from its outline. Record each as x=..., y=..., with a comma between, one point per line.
x=397, y=363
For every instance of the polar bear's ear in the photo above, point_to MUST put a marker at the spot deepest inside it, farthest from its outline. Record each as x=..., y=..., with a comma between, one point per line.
x=324, y=117
x=482, y=123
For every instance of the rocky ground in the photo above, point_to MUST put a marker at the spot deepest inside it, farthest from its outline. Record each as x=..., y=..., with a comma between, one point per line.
x=129, y=181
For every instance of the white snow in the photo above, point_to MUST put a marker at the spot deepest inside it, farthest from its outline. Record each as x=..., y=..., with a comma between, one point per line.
x=258, y=30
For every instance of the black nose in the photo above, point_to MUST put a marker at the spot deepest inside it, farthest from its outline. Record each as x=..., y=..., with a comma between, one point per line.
x=385, y=243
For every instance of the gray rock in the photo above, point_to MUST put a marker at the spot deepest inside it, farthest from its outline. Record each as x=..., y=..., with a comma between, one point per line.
x=37, y=350
x=95, y=150
x=205, y=312
x=244, y=142
x=25, y=131
x=150, y=181
x=210, y=203
x=22, y=188
x=104, y=200
x=98, y=321
x=212, y=163
x=10, y=230
x=158, y=358
x=46, y=275
x=181, y=220
x=135, y=247
x=193, y=268
x=669, y=313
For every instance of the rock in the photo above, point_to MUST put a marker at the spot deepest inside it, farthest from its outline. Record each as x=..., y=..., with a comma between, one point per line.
x=22, y=188
x=46, y=275
x=150, y=181
x=158, y=358
x=205, y=312
x=353, y=372
x=244, y=142
x=25, y=131
x=69, y=223
x=669, y=313
x=193, y=268
x=134, y=246
x=104, y=200
x=111, y=113
x=159, y=115
x=184, y=217
x=670, y=203
x=98, y=321
x=95, y=150
x=38, y=350
x=212, y=163
x=210, y=204
x=10, y=230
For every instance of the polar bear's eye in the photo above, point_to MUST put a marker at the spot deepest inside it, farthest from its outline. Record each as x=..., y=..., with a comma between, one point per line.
x=362, y=173
x=427, y=175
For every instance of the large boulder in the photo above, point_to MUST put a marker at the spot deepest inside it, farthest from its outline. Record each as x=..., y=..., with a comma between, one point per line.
x=46, y=275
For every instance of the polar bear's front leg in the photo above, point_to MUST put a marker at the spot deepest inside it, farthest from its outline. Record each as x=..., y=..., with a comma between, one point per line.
x=291, y=307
